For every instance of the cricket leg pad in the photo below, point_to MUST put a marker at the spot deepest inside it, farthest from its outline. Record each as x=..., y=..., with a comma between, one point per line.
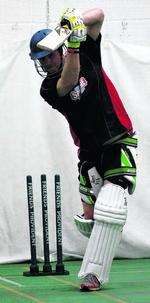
x=110, y=214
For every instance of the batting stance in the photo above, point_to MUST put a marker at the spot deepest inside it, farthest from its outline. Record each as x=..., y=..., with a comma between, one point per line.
x=76, y=85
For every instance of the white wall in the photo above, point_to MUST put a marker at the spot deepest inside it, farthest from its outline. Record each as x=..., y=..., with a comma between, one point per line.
x=126, y=20
x=36, y=140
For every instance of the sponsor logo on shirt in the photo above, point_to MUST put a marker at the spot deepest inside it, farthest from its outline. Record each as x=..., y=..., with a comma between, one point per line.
x=78, y=90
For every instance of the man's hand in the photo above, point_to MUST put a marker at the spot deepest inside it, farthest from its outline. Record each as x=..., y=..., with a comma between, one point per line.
x=74, y=21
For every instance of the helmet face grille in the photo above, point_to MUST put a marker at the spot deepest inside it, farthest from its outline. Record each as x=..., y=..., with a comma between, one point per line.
x=43, y=72
x=42, y=69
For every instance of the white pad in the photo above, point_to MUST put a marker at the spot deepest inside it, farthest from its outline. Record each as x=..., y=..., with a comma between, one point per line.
x=110, y=215
x=83, y=225
x=54, y=39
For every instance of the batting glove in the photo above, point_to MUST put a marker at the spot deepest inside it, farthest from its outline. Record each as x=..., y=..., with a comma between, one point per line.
x=73, y=19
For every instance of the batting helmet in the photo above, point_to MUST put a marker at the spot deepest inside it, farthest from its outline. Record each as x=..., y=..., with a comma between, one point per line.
x=36, y=52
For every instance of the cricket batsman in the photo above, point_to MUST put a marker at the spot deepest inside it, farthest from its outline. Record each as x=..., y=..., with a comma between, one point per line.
x=76, y=85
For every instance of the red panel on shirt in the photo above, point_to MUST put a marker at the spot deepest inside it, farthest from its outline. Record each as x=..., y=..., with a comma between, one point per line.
x=117, y=104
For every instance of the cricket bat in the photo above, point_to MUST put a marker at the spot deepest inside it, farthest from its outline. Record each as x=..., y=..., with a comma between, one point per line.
x=55, y=38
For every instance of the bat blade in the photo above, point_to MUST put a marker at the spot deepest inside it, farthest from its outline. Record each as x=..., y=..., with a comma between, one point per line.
x=54, y=39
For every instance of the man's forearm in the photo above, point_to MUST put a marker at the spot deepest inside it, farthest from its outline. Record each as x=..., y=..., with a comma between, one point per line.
x=93, y=19
x=70, y=74
x=93, y=16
